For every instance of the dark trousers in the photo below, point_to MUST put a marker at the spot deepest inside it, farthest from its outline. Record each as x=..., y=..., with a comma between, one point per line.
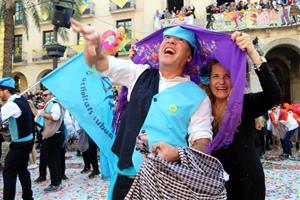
x=86, y=160
x=209, y=21
x=268, y=139
x=92, y=152
x=39, y=138
x=261, y=136
x=0, y=149
x=286, y=144
x=52, y=154
x=63, y=160
x=122, y=187
x=42, y=166
x=16, y=163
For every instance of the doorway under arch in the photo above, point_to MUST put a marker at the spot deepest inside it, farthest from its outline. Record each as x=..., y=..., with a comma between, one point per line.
x=21, y=81
x=41, y=75
x=175, y=3
x=284, y=61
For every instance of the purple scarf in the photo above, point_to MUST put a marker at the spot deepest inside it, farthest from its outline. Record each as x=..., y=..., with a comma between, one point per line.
x=211, y=45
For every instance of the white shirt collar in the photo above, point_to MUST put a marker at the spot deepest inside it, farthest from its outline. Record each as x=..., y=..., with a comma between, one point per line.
x=52, y=99
x=175, y=79
x=12, y=97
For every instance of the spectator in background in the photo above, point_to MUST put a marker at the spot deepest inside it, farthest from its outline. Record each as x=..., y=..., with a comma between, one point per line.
x=260, y=136
x=53, y=134
x=174, y=10
x=166, y=14
x=262, y=4
x=248, y=5
x=157, y=17
x=294, y=11
x=89, y=152
x=191, y=11
x=209, y=17
x=32, y=159
x=269, y=131
x=292, y=125
x=284, y=17
x=240, y=6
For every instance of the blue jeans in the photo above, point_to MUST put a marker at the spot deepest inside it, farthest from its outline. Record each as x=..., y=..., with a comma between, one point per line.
x=287, y=142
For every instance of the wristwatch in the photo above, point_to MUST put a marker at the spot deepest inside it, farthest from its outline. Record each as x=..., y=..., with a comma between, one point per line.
x=257, y=66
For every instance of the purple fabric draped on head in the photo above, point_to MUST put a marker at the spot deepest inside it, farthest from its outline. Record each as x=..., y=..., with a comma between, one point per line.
x=211, y=45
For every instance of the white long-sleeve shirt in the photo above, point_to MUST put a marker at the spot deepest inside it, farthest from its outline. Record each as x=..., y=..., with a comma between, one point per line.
x=126, y=73
x=54, y=111
x=10, y=109
x=291, y=123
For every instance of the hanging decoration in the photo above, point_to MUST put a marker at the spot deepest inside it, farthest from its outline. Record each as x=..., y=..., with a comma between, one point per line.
x=114, y=41
x=120, y=3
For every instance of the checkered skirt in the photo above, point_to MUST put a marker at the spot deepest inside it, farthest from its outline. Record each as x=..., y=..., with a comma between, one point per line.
x=196, y=176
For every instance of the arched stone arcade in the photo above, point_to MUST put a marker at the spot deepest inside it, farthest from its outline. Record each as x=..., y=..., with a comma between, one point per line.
x=284, y=58
x=21, y=81
x=41, y=75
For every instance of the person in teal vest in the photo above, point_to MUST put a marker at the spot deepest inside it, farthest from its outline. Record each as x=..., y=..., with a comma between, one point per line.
x=51, y=119
x=20, y=119
x=164, y=104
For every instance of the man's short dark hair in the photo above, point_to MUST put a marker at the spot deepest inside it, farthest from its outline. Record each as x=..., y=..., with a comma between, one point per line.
x=11, y=90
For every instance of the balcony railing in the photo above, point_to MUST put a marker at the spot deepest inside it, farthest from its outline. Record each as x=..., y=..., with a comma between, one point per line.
x=237, y=20
x=73, y=50
x=129, y=6
x=46, y=18
x=39, y=55
x=20, y=57
x=87, y=8
x=18, y=22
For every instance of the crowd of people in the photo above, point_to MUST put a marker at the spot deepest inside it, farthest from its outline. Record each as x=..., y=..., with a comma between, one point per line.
x=287, y=18
x=278, y=127
x=53, y=130
x=166, y=110
x=249, y=6
x=240, y=161
x=170, y=13
x=265, y=13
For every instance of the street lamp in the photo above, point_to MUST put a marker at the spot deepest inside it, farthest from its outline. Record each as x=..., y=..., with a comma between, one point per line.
x=62, y=12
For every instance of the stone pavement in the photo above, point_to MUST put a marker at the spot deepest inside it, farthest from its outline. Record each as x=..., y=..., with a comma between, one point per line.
x=282, y=181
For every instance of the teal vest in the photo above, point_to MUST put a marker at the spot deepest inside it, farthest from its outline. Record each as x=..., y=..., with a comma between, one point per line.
x=169, y=116
x=21, y=128
x=41, y=120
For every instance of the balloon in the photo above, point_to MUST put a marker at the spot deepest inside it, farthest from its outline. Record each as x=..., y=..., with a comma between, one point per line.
x=112, y=42
x=121, y=33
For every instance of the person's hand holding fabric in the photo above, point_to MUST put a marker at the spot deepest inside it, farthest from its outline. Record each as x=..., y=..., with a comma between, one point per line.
x=132, y=51
x=166, y=151
x=244, y=42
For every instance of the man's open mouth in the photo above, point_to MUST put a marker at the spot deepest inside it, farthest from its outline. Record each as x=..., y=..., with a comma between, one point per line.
x=169, y=51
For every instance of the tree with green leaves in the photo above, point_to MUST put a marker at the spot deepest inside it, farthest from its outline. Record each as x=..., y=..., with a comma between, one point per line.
x=25, y=9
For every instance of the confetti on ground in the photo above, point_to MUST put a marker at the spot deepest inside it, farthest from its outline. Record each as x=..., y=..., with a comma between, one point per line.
x=282, y=181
